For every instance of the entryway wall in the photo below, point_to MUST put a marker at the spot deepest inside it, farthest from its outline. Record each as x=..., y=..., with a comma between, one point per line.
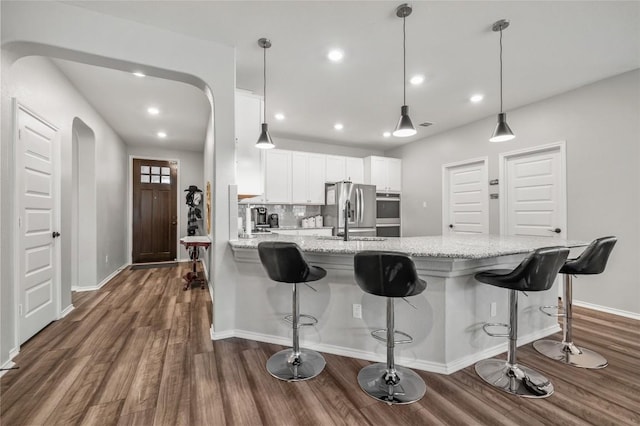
x=190, y=172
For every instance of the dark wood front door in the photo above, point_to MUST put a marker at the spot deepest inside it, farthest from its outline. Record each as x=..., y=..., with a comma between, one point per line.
x=154, y=211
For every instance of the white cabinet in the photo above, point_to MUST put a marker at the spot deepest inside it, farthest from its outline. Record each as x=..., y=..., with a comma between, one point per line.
x=383, y=172
x=307, y=178
x=355, y=169
x=277, y=176
x=249, y=159
x=341, y=168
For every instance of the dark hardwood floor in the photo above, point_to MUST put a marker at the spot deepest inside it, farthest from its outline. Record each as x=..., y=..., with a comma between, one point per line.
x=138, y=352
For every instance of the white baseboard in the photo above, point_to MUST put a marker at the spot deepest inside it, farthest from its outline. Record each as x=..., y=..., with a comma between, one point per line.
x=66, y=311
x=620, y=312
x=433, y=367
x=8, y=364
x=102, y=283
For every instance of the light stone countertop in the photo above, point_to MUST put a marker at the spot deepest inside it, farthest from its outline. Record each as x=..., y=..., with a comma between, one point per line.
x=456, y=247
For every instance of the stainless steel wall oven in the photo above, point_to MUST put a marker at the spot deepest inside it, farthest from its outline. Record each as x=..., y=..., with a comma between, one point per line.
x=388, y=215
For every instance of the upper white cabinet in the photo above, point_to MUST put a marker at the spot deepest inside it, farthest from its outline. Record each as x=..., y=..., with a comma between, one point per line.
x=277, y=176
x=336, y=167
x=249, y=159
x=383, y=172
x=307, y=178
x=355, y=169
x=341, y=168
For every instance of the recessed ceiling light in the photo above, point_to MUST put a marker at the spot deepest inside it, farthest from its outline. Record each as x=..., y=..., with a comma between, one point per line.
x=162, y=135
x=386, y=134
x=417, y=79
x=335, y=55
x=153, y=110
x=279, y=116
x=139, y=74
x=476, y=98
x=338, y=126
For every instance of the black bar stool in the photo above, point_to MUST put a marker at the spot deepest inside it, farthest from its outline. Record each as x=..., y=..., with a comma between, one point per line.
x=284, y=262
x=535, y=273
x=390, y=275
x=592, y=261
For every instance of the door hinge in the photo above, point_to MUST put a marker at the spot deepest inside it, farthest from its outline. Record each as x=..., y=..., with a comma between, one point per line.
x=20, y=310
x=19, y=222
x=19, y=134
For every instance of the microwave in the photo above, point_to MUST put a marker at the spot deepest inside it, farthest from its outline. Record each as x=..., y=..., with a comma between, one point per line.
x=387, y=209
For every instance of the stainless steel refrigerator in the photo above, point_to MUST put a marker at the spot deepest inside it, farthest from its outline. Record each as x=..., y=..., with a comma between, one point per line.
x=362, y=208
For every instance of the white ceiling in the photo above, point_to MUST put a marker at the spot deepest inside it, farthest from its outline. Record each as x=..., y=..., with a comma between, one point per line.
x=550, y=47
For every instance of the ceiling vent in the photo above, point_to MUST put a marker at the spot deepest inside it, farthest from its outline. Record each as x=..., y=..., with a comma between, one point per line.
x=426, y=124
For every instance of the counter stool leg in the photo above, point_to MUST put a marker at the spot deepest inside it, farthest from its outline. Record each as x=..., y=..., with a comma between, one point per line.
x=295, y=364
x=387, y=382
x=566, y=351
x=509, y=376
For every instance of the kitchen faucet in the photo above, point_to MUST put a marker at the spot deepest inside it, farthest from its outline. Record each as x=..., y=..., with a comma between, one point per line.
x=348, y=189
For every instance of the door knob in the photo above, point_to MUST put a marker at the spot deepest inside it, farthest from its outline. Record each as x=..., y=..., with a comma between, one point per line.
x=55, y=234
x=451, y=225
x=556, y=230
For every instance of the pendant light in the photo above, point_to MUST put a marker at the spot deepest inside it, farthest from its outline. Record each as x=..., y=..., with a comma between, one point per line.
x=264, y=141
x=405, y=126
x=502, y=132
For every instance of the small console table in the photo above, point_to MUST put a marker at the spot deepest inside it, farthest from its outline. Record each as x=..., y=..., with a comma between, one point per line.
x=193, y=244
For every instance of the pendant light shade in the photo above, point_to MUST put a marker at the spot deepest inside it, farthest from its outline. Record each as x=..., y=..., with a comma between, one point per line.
x=502, y=132
x=264, y=141
x=405, y=126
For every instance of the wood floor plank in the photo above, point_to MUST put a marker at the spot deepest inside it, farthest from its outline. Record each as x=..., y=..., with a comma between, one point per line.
x=138, y=352
x=106, y=414
x=206, y=394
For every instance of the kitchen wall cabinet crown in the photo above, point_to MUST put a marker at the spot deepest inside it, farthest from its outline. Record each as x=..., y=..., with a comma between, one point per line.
x=383, y=172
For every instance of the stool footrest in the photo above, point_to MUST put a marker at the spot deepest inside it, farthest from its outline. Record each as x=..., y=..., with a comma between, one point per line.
x=559, y=313
x=488, y=325
x=381, y=335
x=313, y=320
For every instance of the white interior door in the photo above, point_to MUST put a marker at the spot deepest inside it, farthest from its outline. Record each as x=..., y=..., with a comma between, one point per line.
x=465, y=200
x=533, y=197
x=38, y=260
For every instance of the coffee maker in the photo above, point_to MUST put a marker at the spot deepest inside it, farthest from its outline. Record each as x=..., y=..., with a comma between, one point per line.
x=259, y=217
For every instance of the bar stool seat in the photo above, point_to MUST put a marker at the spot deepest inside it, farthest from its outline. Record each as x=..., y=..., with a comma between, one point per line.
x=390, y=275
x=284, y=262
x=592, y=261
x=535, y=273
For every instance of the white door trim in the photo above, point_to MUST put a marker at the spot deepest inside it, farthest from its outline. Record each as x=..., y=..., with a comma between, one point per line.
x=503, y=180
x=15, y=243
x=445, y=187
x=130, y=204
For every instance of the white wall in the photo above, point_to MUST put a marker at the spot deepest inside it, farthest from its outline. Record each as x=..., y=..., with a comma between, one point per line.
x=323, y=148
x=601, y=126
x=39, y=85
x=68, y=32
x=190, y=172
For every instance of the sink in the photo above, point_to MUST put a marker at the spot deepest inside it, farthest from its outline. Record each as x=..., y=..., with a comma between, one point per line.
x=335, y=238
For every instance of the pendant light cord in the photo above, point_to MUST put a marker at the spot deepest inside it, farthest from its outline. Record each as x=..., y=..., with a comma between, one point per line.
x=264, y=81
x=500, y=70
x=404, y=60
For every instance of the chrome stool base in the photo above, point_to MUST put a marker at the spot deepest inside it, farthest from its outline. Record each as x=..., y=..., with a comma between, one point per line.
x=284, y=365
x=514, y=379
x=568, y=353
x=409, y=388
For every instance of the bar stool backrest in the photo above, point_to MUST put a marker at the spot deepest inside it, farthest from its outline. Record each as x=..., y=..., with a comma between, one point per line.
x=593, y=259
x=285, y=263
x=388, y=274
x=537, y=271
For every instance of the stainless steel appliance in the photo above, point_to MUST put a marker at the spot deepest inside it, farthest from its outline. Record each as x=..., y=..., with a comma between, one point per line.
x=274, y=220
x=259, y=217
x=388, y=215
x=361, y=208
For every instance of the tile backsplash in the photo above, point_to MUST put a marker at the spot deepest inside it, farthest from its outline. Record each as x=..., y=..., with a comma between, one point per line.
x=288, y=215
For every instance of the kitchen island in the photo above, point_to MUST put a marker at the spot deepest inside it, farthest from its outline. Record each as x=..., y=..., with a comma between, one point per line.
x=445, y=320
